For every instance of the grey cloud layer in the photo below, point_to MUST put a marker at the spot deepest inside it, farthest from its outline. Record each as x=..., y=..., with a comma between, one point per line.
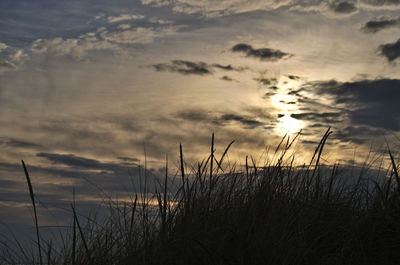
x=371, y=103
x=211, y=8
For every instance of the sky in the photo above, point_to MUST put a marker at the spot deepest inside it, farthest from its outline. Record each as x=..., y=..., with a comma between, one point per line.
x=89, y=89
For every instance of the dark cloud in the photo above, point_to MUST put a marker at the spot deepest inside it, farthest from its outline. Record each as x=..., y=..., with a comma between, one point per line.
x=227, y=78
x=310, y=142
x=184, y=67
x=296, y=92
x=264, y=54
x=128, y=159
x=269, y=94
x=326, y=117
x=71, y=160
x=266, y=81
x=288, y=102
x=374, y=26
x=370, y=102
x=229, y=67
x=195, y=68
x=293, y=77
x=390, y=50
x=108, y=175
x=17, y=143
x=218, y=119
x=356, y=134
x=247, y=121
x=194, y=115
x=343, y=7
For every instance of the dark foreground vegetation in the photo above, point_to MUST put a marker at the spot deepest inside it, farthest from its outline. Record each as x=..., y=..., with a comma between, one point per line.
x=270, y=214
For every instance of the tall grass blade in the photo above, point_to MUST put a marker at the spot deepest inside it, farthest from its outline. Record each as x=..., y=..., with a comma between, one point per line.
x=212, y=157
x=225, y=152
x=396, y=174
x=73, y=254
x=82, y=235
x=182, y=170
x=32, y=195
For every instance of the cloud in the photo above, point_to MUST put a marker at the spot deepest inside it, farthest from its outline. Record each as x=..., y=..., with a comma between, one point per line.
x=195, y=68
x=326, y=117
x=371, y=103
x=220, y=119
x=71, y=160
x=343, y=7
x=244, y=120
x=11, y=142
x=267, y=81
x=124, y=26
x=356, y=134
x=5, y=65
x=374, y=26
x=124, y=17
x=75, y=47
x=140, y=35
x=390, y=50
x=128, y=159
x=212, y=8
x=3, y=46
x=10, y=57
x=101, y=40
x=294, y=77
x=227, y=78
x=229, y=67
x=184, y=67
x=381, y=2
x=264, y=54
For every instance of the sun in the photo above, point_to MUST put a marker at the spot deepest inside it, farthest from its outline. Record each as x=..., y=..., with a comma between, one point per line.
x=286, y=104
x=288, y=125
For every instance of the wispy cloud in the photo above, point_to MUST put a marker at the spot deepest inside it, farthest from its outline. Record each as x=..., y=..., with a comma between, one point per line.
x=124, y=17
x=75, y=47
x=5, y=65
x=12, y=142
x=102, y=40
x=211, y=8
x=10, y=57
x=140, y=35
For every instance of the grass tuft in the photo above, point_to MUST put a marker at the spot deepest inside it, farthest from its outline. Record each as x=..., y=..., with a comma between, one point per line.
x=277, y=213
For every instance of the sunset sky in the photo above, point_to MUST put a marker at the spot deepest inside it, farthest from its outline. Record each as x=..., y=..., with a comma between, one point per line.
x=87, y=86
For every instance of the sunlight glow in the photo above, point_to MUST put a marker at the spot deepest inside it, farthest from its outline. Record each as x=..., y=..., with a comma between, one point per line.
x=286, y=105
x=288, y=125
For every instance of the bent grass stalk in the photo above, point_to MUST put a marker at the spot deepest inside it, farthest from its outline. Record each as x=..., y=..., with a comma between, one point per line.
x=32, y=195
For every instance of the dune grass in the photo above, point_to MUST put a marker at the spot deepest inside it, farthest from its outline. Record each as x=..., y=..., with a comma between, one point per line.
x=256, y=214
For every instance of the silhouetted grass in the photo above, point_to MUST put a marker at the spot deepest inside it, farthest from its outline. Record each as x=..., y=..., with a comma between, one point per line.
x=260, y=214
